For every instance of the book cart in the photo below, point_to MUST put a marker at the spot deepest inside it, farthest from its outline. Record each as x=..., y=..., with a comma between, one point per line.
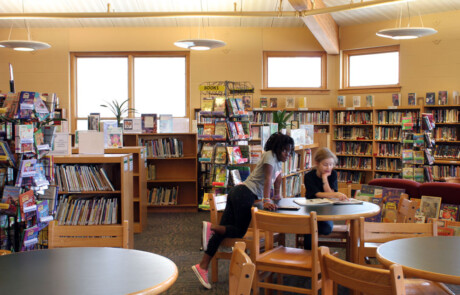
x=224, y=131
x=111, y=196
x=447, y=136
x=138, y=164
x=171, y=170
x=388, y=139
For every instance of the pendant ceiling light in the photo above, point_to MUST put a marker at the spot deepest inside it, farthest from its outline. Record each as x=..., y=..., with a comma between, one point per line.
x=23, y=45
x=200, y=44
x=400, y=33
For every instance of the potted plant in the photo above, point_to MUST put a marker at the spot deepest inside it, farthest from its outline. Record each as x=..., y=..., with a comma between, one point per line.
x=118, y=109
x=281, y=117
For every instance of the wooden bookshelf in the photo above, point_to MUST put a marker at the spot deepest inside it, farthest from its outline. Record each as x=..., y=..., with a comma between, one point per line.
x=117, y=169
x=180, y=172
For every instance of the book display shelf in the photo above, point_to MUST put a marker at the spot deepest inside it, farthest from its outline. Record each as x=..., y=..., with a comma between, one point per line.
x=224, y=132
x=388, y=139
x=447, y=137
x=138, y=164
x=115, y=194
x=352, y=139
x=171, y=170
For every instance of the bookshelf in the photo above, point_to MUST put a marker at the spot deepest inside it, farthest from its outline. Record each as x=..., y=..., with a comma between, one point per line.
x=388, y=139
x=170, y=172
x=447, y=138
x=352, y=130
x=137, y=162
x=118, y=171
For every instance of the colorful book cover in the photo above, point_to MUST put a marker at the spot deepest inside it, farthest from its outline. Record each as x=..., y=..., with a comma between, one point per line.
x=290, y=102
x=207, y=104
x=11, y=104
x=442, y=97
x=149, y=123
x=114, y=137
x=233, y=131
x=219, y=105
x=378, y=200
x=28, y=205
x=396, y=99
x=240, y=130
x=221, y=155
x=448, y=212
x=240, y=105
x=430, y=98
x=273, y=102
x=341, y=100
x=166, y=123
x=411, y=99
x=207, y=152
x=26, y=104
x=30, y=238
x=263, y=103
x=369, y=100
x=356, y=101
x=429, y=206
x=11, y=194
x=220, y=176
x=220, y=130
x=247, y=102
x=40, y=108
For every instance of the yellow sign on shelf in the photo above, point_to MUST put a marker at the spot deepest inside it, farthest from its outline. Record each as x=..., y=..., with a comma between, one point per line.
x=212, y=87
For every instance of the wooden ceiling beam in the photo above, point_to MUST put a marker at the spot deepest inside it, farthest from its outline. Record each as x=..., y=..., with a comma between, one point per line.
x=322, y=26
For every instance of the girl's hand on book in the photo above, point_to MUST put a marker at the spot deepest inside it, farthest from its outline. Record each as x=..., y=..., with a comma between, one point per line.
x=269, y=206
x=340, y=196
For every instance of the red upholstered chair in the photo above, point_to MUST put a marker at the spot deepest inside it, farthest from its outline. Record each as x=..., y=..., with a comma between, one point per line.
x=449, y=192
x=412, y=187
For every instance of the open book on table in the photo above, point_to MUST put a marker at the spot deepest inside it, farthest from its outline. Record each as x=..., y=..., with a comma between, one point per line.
x=321, y=201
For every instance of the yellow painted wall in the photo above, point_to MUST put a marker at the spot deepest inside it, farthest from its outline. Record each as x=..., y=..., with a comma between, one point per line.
x=427, y=64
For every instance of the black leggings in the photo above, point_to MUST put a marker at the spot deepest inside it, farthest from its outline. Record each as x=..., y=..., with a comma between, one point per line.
x=236, y=217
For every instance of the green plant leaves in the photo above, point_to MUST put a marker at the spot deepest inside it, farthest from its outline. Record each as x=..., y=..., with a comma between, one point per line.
x=281, y=117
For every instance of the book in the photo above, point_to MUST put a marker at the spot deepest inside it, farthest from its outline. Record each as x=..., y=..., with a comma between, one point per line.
x=11, y=104
x=240, y=105
x=290, y=102
x=429, y=206
x=369, y=100
x=442, y=97
x=207, y=152
x=302, y=101
x=240, y=130
x=220, y=176
x=220, y=154
x=219, y=105
x=11, y=194
x=132, y=125
x=93, y=121
x=294, y=124
x=247, y=102
x=430, y=97
x=396, y=99
x=411, y=99
x=115, y=138
x=356, y=101
x=236, y=177
x=208, y=130
x=41, y=111
x=391, y=198
x=166, y=123
x=377, y=199
x=455, y=97
x=220, y=131
x=207, y=104
x=341, y=100
x=26, y=104
x=325, y=201
x=263, y=103
x=448, y=212
x=273, y=102
x=149, y=123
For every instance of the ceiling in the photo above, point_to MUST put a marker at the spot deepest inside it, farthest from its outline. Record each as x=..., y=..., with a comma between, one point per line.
x=344, y=18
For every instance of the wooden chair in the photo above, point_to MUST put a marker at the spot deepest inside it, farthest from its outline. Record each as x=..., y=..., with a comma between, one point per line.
x=370, y=280
x=340, y=235
x=285, y=260
x=372, y=234
x=241, y=271
x=61, y=236
x=4, y=252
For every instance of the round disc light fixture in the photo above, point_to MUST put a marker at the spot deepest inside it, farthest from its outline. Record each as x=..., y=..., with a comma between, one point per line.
x=24, y=45
x=406, y=33
x=200, y=44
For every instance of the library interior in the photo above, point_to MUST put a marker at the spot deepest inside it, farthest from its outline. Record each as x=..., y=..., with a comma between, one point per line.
x=330, y=128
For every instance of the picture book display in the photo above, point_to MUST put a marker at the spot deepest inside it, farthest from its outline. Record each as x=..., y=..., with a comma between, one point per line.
x=273, y=102
x=411, y=99
x=93, y=121
x=356, y=101
x=396, y=99
x=341, y=100
x=429, y=206
x=290, y=102
x=430, y=98
x=166, y=123
x=132, y=125
x=207, y=104
x=448, y=212
x=219, y=105
x=149, y=123
x=369, y=100
x=220, y=154
x=247, y=101
x=263, y=103
x=442, y=97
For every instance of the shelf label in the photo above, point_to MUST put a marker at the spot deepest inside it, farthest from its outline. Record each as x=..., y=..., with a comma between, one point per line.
x=392, y=108
x=303, y=109
x=131, y=163
x=125, y=162
x=212, y=88
x=350, y=108
x=257, y=109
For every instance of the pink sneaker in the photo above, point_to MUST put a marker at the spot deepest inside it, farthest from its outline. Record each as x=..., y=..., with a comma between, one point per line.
x=202, y=276
x=207, y=233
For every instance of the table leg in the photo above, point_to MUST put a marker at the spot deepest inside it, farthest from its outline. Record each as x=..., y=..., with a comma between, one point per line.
x=354, y=236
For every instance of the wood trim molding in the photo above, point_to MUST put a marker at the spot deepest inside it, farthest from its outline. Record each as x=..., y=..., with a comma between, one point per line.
x=375, y=89
x=299, y=91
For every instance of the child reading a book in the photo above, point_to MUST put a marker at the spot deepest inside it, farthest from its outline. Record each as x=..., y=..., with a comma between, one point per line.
x=255, y=190
x=321, y=182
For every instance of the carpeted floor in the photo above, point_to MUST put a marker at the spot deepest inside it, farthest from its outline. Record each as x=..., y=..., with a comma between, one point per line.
x=178, y=237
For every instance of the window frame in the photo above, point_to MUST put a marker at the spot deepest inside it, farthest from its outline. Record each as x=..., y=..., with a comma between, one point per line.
x=295, y=90
x=346, y=54
x=130, y=55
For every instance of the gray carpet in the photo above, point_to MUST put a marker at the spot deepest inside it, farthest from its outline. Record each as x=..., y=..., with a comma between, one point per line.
x=178, y=237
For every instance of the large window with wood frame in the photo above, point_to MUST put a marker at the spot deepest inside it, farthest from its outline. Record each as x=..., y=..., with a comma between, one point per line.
x=295, y=70
x=151, y=82
x=371, y=67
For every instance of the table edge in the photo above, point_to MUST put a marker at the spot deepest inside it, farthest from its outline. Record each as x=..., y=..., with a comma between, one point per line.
x=160, y=288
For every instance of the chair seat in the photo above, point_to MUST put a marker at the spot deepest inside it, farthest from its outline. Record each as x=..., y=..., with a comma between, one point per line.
x=286, y=257
x=419, y=286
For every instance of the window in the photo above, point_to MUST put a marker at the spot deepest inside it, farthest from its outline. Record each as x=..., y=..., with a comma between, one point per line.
x=153, y=82
x=371, y=67
x=295, y=70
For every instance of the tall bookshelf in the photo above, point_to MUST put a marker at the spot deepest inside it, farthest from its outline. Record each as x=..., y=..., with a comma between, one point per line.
x=447, y=138
x=118, y=171
x=179, y=172
x=388, y=139
x=352, y=139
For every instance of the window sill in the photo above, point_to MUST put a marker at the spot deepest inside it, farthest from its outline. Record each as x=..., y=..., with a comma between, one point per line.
x=370, y=89
x=300, y=91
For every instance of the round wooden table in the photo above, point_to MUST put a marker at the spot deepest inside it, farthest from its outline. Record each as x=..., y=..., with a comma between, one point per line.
x=432, y=258
x=86, y=271
x=326, y=212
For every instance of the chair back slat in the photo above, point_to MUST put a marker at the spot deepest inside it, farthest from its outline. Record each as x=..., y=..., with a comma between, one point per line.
x=376, y=232
x=283, y=223
x=360, y=278
x=241, y=273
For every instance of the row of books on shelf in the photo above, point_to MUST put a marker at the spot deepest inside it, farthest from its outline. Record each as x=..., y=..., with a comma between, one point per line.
x=447, y=151
x=29, y=105
x=354, y=162
x=151, y=172
x=224, y=176
x=293, y=185
x=312, y=117
x=352, y=133
x=218, y=105
x=440, y=171
x=222, y=154
x=387, y=133
x=383, y=174
x=395, y=117
x=353, y=148
x=353, y=117
x=389, y=149
x=95, y=210
x=163, y=195
x=81, y=178
x=419, y=174
x=167, y=147
x=351, y=176
x=388, y=164
x=446, y=115
x=417, y=157
x=446, y=134
x=221, y=130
